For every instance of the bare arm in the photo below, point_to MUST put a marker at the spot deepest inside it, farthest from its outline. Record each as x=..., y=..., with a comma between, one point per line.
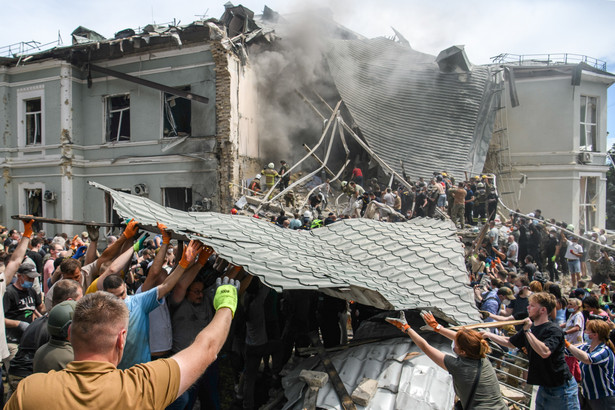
x=90, y=255
x=538, y=346
x=18, y=253
x=188, y=257
x=578, y=353
x=115, y=267
x=156, y=274
x=501, y=340
x=431, y=352
x=179, y=292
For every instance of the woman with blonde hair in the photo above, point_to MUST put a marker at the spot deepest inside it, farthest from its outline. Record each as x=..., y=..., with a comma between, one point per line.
x=474, y=379
x=597, y=363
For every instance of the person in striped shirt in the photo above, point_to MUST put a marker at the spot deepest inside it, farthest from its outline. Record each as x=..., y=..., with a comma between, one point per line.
x=597, y=363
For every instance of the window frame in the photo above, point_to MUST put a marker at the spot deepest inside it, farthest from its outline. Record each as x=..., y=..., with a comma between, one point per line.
x=107, y=119
x=23, y=96
x=586, y=126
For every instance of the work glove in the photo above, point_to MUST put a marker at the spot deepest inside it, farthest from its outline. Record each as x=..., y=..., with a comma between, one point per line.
x=23, y=326
x=400, y=323
x=226, y=294
x=431, y=321
x=604, y=289
x=166, y=235
x=483, y=314
x=80, y=252
x=206, y=252
x=567, y=343
x=139, y=244
x=190, y=252
x=131, y=229
x=27, y=228
x=553, y=258
x=93, y=232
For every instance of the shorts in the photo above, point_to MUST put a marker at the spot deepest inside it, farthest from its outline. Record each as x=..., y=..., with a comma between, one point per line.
x=574, y=266
x=441, y=200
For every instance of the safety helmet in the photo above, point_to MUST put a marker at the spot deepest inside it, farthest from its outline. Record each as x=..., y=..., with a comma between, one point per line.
x=475, y=177
x=307, y=214
x=234, y=211
x=344, y=183
x=480, y=185
x=258, y=176
x=444, y=174
x=271, y=165
x=60, y=318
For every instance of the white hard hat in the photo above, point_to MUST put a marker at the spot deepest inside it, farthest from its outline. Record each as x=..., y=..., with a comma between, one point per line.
x=307, y=214
x=258, y=176
x=271, y=165
x=344, y=183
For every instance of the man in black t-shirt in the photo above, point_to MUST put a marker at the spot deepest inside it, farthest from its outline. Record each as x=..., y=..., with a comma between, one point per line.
x=544, y=342
x=22, y=305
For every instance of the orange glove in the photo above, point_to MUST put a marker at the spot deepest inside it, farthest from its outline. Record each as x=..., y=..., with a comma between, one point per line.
x=190, y=252
x=400, y=322
x=166, y=236
x=567, y=343
x=131, y=229
x=27, y=228
x=604, y=289
x=431, y=321
x=206, y=252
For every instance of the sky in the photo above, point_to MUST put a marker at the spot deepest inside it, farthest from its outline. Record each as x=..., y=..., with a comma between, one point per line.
x=485, y=27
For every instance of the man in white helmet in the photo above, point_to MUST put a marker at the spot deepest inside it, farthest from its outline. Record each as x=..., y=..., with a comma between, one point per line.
x=270, y=174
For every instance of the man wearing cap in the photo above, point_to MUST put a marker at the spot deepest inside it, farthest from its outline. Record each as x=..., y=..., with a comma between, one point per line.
x=492, y=301
x=57, y=352
x=21, y=305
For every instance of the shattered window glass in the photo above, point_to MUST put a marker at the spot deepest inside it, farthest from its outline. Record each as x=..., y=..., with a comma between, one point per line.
x=588, y=204
x=33, y=121
x=117, y=124
x=588, y=124
x=177, y=113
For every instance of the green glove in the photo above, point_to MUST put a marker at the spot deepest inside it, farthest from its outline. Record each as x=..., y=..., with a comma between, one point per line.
x=139, y=244
x=553, y=258
x=226, y=294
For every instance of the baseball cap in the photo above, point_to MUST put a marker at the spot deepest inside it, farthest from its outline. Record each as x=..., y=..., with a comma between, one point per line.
x=504, y=291
x=28, y=269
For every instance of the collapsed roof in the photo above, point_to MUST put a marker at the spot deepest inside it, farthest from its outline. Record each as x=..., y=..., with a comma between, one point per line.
x=427, y=113
x=417, y=264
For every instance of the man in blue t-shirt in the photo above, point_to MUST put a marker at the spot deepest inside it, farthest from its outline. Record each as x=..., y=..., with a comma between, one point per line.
x=137, y=348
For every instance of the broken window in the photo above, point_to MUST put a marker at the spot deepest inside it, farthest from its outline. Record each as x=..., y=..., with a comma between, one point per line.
x=588, y=203
x=589, y=124
x=177, y=112
x=34, y=205
x=177, y=198
x=34, y=116
x=117, y=124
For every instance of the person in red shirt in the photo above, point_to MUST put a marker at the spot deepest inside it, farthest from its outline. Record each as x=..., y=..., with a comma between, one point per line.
x=357, y=176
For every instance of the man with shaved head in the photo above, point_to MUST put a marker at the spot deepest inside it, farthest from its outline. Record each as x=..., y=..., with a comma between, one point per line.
x=98, y=335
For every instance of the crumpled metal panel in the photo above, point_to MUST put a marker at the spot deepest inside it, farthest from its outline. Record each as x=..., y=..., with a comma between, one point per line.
x=409, y=110
x=416, y=383
x=415, y=264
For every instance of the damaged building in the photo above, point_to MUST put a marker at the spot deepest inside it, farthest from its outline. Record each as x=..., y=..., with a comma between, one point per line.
x=155, y=113
x=187, y=115
x=550, y=136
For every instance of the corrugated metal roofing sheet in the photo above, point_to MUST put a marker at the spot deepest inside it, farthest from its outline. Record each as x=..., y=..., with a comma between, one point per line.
x=408, y=110
x=403, y=383
x=416, y=264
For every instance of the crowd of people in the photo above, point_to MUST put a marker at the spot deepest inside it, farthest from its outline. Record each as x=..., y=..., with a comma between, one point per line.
x=166, y=297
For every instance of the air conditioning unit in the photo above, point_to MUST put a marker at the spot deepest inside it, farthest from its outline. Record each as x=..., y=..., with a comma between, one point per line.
x=586, y=157
x=140, y=189
x=49, y=196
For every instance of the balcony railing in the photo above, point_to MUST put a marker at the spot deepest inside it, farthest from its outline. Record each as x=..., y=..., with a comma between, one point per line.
x=548, y=59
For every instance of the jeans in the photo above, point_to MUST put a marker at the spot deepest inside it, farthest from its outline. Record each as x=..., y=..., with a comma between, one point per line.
x=564, y=397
